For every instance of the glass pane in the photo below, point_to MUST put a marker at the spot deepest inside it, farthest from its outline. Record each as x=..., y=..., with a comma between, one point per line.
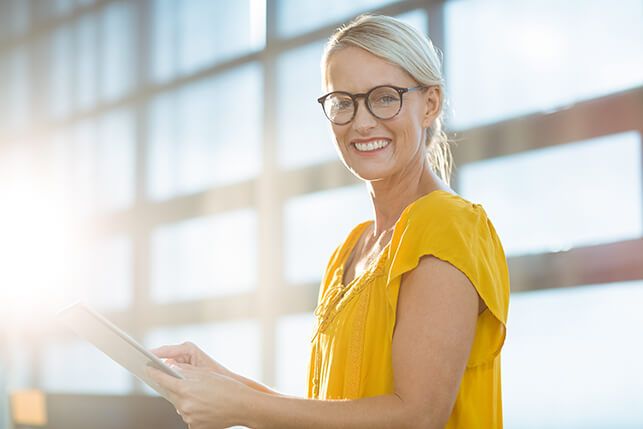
x=80, y=367
x=185, y=40
x=202, y=257
x=235, y=344
x=417, y=18
x=105, y=274
x=5, y=85
x=164, y=36
x=315, y=224
x=83, y=161
x=572, y=358
x=57, y=8
x=303, y=132
x=297, y=16
x=207, y=133
x=14, y=88
x=17, y=362
x=60, y=73
x=536, y=55
x=116, y=160
x=117, y=50
x=555, y=199
x=15, y=17
x=294, y=333
x=86, y=61
x=5, y=14
x=100, y=157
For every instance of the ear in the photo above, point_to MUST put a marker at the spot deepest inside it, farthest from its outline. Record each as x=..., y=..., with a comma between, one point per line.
x=433, y=104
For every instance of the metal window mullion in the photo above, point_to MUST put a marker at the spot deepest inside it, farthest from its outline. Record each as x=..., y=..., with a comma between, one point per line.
x=268, y=213
x=140, y=234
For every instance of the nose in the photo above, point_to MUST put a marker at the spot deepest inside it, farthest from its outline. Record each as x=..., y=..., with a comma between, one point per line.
x=364, y=119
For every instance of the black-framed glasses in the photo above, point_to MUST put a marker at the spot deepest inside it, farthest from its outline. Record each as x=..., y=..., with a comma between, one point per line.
x=384, y=102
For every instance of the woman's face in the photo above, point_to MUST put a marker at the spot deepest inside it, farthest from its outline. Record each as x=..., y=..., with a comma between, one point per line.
x=355, y=70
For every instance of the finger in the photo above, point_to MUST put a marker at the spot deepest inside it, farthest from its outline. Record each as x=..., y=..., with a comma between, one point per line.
x=189, y=372
x=179, y=352
x=166, y=382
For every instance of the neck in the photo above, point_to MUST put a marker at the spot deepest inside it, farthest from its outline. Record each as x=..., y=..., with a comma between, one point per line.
x=392, y=195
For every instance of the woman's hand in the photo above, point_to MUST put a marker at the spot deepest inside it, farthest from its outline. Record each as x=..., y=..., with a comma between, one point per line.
x=189, y=353
x=204, y=399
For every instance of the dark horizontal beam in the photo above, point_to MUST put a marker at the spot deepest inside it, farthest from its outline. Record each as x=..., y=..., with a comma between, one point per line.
x=597, y=117
x=605, y=263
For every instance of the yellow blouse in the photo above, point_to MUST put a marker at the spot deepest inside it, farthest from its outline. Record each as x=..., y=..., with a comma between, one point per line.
x=351, y=348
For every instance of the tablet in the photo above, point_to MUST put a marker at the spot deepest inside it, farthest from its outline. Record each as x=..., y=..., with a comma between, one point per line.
x=115, y=343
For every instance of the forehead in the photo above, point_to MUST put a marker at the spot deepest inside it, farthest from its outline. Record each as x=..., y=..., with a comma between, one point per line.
x=353, y=69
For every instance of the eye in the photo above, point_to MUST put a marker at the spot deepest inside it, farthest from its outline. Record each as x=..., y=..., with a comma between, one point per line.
x=384, y=97
x=387, y=99
x=339, y=104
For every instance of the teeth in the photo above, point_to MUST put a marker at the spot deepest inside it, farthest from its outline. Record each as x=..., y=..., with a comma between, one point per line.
x=366, y=147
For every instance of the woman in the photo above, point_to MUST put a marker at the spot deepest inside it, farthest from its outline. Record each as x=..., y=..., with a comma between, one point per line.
x=413, y=305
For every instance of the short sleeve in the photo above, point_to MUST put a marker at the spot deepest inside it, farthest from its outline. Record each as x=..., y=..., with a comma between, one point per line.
x=456, y=231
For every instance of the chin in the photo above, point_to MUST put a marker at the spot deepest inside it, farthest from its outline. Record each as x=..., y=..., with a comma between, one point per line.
x=370, y=174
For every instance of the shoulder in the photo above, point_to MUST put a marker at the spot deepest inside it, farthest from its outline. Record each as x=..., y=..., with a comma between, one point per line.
x=441, y=220
x=440, y=207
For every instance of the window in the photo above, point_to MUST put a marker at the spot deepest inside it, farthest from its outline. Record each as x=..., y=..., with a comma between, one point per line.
x=506, y=59
x=303, y=133
x=18, y=358
x=204, y=257
x=117, y=51
x=105, y=274
x=83, y=161
x=15, y=89
x=208, y=133
x=416, y=18
x=115, y=160
x=296, y=16
x=85, y=62
x=14, y=18
x=189, y=35
x=100, y=155
x=316, y=224
x=60, y=72
x=294, y=334
x=79, y=367
x=587, y=193
x=234, y=344
x=572, y=359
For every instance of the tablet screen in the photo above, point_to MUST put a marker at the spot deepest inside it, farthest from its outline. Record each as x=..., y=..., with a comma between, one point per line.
x=114, y=342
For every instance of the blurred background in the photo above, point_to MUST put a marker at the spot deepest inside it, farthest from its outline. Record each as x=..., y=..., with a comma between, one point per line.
x=167, y=162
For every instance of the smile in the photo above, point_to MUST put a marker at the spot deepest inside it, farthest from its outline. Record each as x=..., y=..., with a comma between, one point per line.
x=372, y=145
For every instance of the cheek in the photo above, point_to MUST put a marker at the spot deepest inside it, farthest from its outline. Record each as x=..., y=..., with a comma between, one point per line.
x=339, y=132
x=408, y=130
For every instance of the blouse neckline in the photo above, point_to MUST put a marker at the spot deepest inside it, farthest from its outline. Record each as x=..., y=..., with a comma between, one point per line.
x=357, y=233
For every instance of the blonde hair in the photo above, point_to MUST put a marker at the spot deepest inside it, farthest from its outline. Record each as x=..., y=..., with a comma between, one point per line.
x=402, y=45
